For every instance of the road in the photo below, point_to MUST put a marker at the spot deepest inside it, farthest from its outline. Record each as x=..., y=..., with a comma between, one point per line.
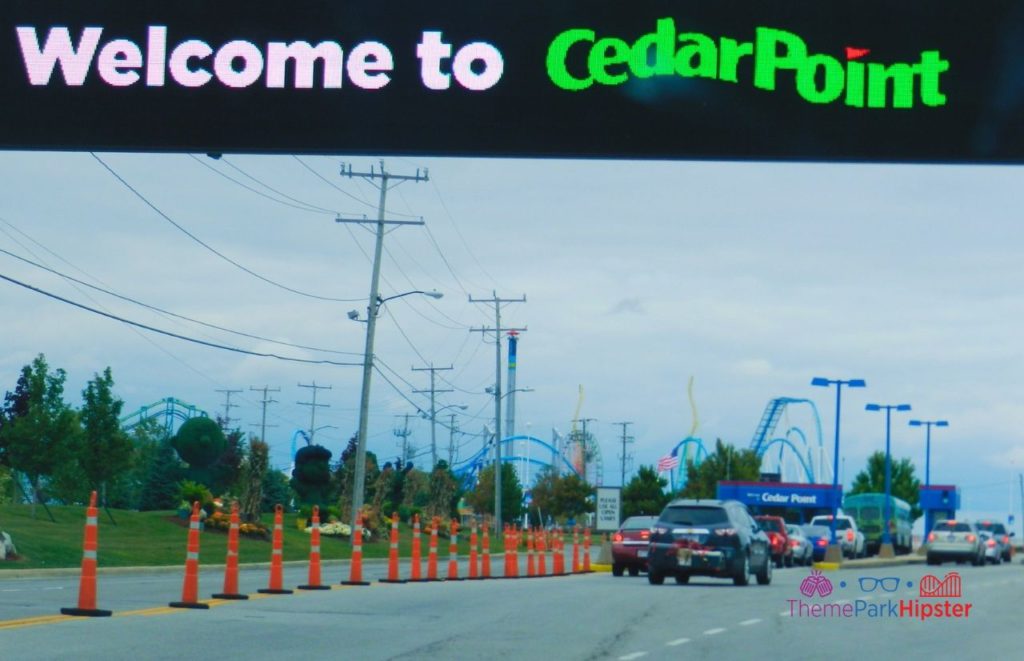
x=593, y=616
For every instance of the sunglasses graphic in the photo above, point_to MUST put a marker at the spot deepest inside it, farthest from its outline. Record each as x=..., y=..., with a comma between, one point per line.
x=888, y=584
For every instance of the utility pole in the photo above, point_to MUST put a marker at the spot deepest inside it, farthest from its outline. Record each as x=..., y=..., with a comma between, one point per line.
x=388, y=180
x=266, y=400
x=581, y=444
x=1021, y=477
x=497, y=330
x=313, y=407
x=433, y=407
x=451, y=441
x=625, y=439
x=227, y=407
x=403, y=436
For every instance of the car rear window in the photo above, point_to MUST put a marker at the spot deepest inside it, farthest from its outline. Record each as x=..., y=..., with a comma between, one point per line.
x=870, y=513
x=690, y=515
x=770, y=524
x=953, y=527
x=996, y=528
x=816, y=531
x=841, y=524
x=639, y=522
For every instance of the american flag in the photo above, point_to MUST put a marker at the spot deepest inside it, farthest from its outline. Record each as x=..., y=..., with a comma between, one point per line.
x=668, y=462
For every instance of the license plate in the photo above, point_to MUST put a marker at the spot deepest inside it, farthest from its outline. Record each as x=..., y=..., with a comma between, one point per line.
x=641, y=554
x=683, y=557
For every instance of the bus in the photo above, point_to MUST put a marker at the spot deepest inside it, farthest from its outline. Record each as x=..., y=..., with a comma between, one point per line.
x=868, y=510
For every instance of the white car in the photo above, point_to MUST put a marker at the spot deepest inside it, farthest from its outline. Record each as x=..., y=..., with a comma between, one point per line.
x=850, y=539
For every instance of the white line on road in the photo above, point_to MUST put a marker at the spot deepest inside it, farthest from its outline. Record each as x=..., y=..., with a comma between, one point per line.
x=677, y=641
x=634, y=655
x=714, y=632
x=843, y=601
x=784, y=613
x=747, y=623
x=54, y=588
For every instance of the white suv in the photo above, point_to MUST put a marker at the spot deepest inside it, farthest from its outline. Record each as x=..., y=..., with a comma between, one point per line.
x=850, y=539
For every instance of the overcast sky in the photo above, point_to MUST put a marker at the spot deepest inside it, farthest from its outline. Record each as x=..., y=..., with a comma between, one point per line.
x=752, y=278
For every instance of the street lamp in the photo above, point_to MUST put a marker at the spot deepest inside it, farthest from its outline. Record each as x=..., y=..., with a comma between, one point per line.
x=834, y=554
x=373, y=310
x=885, y=551
x=927, y=424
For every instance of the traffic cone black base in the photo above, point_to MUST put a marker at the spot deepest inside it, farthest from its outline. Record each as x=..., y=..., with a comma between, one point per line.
x=273, y=591
x=235, y=597
x=314, y=587
x=196, y=605
x=85, y=612
x=354, y=583
x=387, y=580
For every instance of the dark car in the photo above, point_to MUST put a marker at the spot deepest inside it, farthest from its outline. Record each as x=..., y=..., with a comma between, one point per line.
x=715, y=538
x=775, y=528
x=629, y=545
x=818, y=536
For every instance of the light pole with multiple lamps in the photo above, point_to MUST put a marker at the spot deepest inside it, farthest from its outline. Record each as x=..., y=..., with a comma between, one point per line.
x=927, y=424
x=885, y=551
x=834, y=553
x=359, y=478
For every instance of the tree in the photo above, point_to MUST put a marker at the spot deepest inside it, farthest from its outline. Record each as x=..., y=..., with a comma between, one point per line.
x=645, y=493
x=905, y=485
x=560, y=496
x=106, y=451
x=344, y=477
x=726, y=463
x=146, y=438
x=311, y=478
x=199, y=443
x=481, y=498
x=255, y=472
x=276, y=491
x=38, y=440
x=443, y=492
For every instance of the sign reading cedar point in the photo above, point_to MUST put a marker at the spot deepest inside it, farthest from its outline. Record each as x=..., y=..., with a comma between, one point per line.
x=937, y=81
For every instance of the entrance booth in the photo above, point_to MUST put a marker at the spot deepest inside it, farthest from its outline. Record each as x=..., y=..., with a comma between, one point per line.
x=791, y=500
x=939, y=502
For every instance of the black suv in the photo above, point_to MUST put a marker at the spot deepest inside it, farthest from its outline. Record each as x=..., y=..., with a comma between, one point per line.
x=715, y=538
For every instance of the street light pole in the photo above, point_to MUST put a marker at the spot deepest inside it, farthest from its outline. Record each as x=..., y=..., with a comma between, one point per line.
x=886, y=551
x=927, y=424
x=834, y=553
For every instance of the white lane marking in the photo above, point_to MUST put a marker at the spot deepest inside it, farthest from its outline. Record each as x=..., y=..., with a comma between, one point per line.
x=54, y=588
x=843, y=601
x=19, y=590
x=747, y=623
x=677, y=641
x=869, y=597
x=634, y=655
x=714, y=632
x=783, y=613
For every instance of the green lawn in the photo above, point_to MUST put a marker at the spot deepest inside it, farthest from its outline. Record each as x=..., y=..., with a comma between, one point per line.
x=151, y=539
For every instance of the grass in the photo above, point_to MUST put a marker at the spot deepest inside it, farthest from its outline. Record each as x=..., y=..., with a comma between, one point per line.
x=153, y=539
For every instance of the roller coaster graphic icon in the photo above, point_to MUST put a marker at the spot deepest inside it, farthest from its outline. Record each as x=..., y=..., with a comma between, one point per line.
x=931, y=586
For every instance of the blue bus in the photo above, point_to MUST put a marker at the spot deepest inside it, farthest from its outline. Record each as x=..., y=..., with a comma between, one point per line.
x=868, y=510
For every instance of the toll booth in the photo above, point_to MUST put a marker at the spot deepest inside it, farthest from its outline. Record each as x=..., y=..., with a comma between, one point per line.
x=796, y=502
x=939, y=502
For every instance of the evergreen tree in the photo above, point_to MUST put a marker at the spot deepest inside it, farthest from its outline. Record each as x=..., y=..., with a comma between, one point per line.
x=905, y=484
x=726, y=463
x=481, y=498
x=105, y=452
x=644, y=494
x=160, y=490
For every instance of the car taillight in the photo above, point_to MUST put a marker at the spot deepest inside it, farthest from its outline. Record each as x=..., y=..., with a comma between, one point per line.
x=991, y=543
x=1006, y=539
x=794, y=543
x=849, y=535
x=617, y=537
x=931, y=537
x=725, y=531
x=822, y=542
x=971, y=538
x=645, y=534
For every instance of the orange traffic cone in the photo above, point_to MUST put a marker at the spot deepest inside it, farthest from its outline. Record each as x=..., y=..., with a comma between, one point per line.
x=432, y=553
x=314, y=555
x=87, y=582
x=506, y=539
x=355, y=576
x=485, y=563
x=190, y=589
x=453, y=553
x=576, y=549
x=231, y=564
x=275, y=586
x=416, y=564
x=542, y=569
x=473, y=559
x=393, y=553
x=515, y=552
x=558, y=566
x=586, y=551
x=531, y=565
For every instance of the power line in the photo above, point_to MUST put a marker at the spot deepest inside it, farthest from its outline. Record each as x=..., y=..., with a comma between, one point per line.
x=313, y=406
x=211, y=248
x=161, y=331
x=173, y=314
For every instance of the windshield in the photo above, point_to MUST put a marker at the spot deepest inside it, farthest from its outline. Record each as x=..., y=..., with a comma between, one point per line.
x=949, y=526
x=817, y=531
x=870, y=512
x=770, y=524
x=694, y=516
x=639, y=523
x=995, y=528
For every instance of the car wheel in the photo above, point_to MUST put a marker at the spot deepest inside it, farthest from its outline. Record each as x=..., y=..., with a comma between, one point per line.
x=932, y=560
x=634, y=571
x=789, y=561
x=976, y=563
x=764, y=577
x=682, y=579
x=654, y=577
x=617, y=569
x=743, y=578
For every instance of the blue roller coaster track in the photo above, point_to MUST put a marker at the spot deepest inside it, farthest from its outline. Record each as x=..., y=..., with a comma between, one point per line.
x=546, y=455
x=170, y=409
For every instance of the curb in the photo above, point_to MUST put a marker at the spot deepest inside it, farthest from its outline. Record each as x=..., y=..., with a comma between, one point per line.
x=870, y=562
x=594, y=567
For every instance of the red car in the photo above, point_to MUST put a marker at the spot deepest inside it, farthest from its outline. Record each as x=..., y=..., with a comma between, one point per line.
x=629, y=545
x=775, y=527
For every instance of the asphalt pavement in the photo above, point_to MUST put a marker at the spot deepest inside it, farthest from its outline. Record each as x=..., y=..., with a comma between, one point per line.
x=594, y=616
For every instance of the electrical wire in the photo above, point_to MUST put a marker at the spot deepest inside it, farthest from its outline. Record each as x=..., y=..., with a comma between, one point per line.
x=178, y=336
x=173, y=314
x=208, y=246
